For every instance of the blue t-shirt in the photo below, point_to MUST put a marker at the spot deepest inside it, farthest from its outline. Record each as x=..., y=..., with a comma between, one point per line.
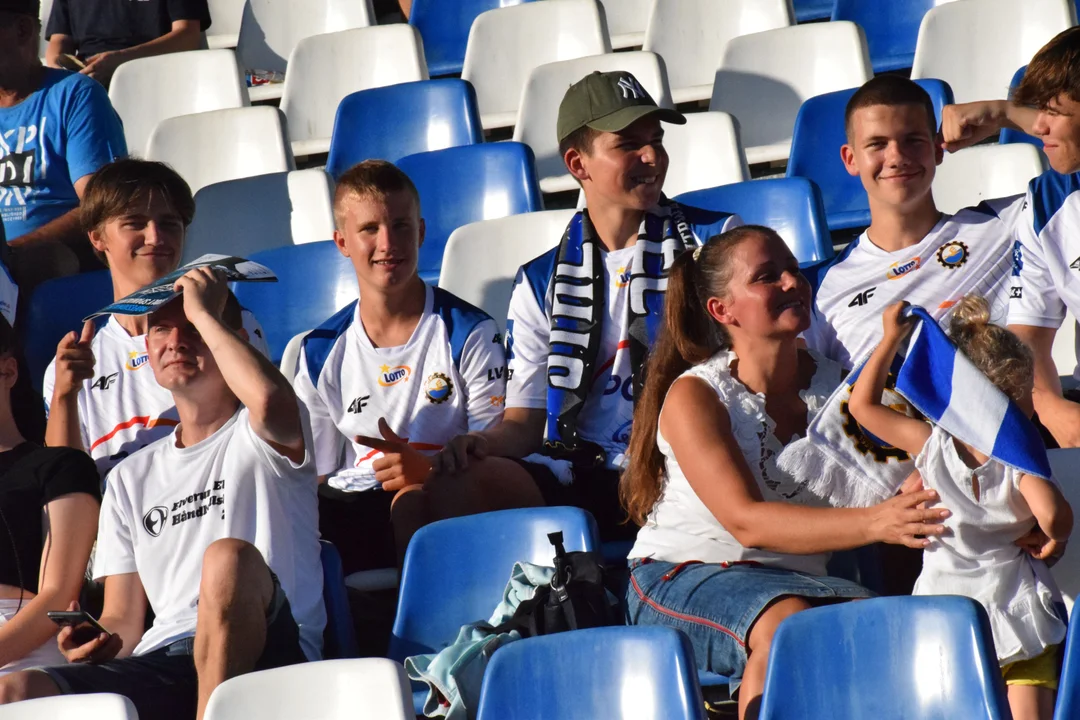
x=63, y=131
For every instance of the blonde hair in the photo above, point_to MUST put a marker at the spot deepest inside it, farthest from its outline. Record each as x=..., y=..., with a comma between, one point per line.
x=1000, y=355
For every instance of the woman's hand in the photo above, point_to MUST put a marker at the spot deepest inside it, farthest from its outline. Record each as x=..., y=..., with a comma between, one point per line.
x=895, y=325
x=899, y=520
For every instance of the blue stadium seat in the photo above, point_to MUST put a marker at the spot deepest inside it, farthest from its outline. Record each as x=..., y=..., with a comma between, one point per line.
x=56, y=308
x=314, y=282
x=465, y=184
x=791, y=206
x=641, y=672
x=339, y=640
x=445, y=26
x=930, y=657
x=891, y=28
x=1008, y=135
x=1068, y=695
x=398, y=120
x=815, y=153
x=808, y=10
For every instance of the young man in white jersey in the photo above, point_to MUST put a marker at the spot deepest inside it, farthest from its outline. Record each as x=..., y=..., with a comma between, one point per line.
x=1047, y=263
x=101, y=395
x=582, y=316
x=391, y=377
x=214, y=527
x=911, y=251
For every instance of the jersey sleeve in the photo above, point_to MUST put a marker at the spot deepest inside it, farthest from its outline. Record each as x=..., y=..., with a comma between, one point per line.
x=190, y=10
x=1034, y=300
x=256, y=336
x=71, y=471
x=527, y=333
x=115, y=553
x=94, y=135
x=59, y=22
x=483, y=371
x=327, y=442
x=821, y=336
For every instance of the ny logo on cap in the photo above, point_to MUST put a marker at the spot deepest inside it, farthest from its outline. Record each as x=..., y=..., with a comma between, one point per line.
x=630, y=87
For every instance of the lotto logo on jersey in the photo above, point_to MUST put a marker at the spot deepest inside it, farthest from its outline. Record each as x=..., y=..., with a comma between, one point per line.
x=136, y=360
x=438, y=388
x=900, y=269
x=623, y=278
x=393, y=375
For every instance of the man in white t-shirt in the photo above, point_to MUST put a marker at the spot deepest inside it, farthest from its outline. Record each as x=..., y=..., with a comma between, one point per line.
x=911, y=251
x=214, y=527
x=101, y=394
x=582, y=316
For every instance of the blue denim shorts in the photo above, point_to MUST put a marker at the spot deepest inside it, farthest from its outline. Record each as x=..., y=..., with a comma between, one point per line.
x=717, y=604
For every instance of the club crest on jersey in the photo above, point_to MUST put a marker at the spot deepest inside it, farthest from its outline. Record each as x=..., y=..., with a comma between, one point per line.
x=393, y=375
x=438, y=388
x=900, y=269
x=136, y=360
x=952, y=255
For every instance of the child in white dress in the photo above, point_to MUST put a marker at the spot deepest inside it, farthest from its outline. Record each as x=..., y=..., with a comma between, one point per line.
x=1004, y=522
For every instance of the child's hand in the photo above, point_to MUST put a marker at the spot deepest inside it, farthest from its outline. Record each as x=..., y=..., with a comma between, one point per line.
x=895, y=325
x=1041, y=546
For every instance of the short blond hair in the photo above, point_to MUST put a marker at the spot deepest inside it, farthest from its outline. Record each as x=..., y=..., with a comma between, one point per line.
x=371, y=178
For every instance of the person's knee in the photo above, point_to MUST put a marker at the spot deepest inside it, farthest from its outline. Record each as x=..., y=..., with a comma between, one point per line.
x=233, y=567
x=761, y=634
x=26, y=685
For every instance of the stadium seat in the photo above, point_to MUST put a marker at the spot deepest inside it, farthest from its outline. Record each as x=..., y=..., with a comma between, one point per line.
x=815, y=153
x=626, y=21
x=270, y=30
x=464, y=184
x=891, y=28
x=691, y=36
x=323, y=69
x=225, y=19
x=43, y=15
x=356, y=689
x=764, y=78
x=537, y=117
x=211, y=147
x=977, y=46
x=339, y=638
x=98, y=706
x=647, y=673
x=1065, y=467
x=482, y=258
x=1064, y=350
x=148, y=90
x=791, y=206
x=239, y=217
x=444, y=26
x=506, y=44
x=703, y=153
x=808, y=10
x=926, y=657
x=985, y=172
x=1008, y=135
x=314, y=282
x=391, y=122
x=1068, y=694
x=290, y=356
x=57, y=307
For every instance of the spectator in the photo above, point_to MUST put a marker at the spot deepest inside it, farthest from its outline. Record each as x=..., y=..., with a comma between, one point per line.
x=100, y=395
x=56, y=130
x=728, y=547
x=97, y=36
x=405, y=361
x=49, y=507
x=573, y=363
x=1047, y=105
x=214, y=525
x=911, y=250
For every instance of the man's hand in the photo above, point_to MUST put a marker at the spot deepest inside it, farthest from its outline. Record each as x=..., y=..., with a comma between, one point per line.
x=102, y=66
x=401, y=464
x=74, y=361
x=454, y=457
x=1041, y=546
x=970, y=123
x=83, y=644
x=204, y=291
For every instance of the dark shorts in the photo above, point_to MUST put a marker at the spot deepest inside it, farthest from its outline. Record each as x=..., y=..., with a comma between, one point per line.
x=593, y=489
x=358, y=524
x=163, y=684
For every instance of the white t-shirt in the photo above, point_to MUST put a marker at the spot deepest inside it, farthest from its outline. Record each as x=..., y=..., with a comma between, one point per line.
x=165, y=505
x=448, y=379
x=969, y=252
x=122, y=408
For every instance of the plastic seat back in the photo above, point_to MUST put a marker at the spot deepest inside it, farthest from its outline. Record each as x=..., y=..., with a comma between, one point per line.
x=98, y=706
x=1068, y=694
x=465, y=184
x=704, y=153
x=445, y=29
x=891, y=28
x=627, y=21
x=885, y=657
x=1008, y=135
x=646, y=673
x=790, y=206
x=225, y=16
x=339, y=639
x=985, y=172
x=481, y=550
x=391, y=122
x=1065, y=466
x=815, y=153
x=808, y=10
x=270, y=29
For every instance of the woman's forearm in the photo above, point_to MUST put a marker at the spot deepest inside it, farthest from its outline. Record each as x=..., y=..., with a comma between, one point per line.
x=31, y=627
x=800, y=530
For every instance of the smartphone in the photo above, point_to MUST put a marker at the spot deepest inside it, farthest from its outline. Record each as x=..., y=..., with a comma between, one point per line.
x=74, y=618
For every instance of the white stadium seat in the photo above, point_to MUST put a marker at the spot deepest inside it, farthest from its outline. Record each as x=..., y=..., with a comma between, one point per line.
x=225, y=18
x=1066, y=351
x=627, y=20
x=148, y=90
x=212, y=147
x=977, y=45
x=43, y=15
x=240, y=217
x=507, y=43
x=544, y=90
x=98, y=706
x=703, y=153
x=323, y=69
x=354, y=689
x=764, y=78
x=1065, y=465
x=482, y=258
x=691, y=36
x=985, y=172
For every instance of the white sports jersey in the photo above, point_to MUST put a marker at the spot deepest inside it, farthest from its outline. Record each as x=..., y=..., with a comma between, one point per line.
x=448, y=379
x=165, y=505
x=122, y=408
x=969, y=252
x=606, y=416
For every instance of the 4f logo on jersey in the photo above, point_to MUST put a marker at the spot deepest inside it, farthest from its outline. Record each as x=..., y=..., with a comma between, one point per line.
x=438, y=388
x=952, y=255
x=136, y=360
x=900, y=269
x=497, y=339
x=393, y=375
x=358, y=404
x=1075, y=264
x=862, y=298
x=105, y=381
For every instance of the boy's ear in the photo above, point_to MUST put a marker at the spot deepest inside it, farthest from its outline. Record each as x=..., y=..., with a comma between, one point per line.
x=847, y=156
x=422, y=228
x=575, y=164
x=96, y=241
x=339, y=240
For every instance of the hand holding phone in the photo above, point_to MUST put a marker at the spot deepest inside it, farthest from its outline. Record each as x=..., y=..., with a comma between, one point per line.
x=82, y=638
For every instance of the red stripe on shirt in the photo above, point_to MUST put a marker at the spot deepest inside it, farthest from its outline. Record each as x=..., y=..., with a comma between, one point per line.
x=415, y=446
x=144, y=420
x=600, y=370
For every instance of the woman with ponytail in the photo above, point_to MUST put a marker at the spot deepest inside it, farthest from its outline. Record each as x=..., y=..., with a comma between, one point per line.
x=728, y=546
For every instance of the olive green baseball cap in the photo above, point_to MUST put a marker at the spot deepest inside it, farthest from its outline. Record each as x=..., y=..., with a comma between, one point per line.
x=608, y=102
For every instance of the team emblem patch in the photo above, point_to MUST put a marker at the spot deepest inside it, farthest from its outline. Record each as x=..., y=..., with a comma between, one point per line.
x=154, y=520
x=136, y=360
x=438, y=388
x=900, y=269
x=952, y=255
x=393, y=375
